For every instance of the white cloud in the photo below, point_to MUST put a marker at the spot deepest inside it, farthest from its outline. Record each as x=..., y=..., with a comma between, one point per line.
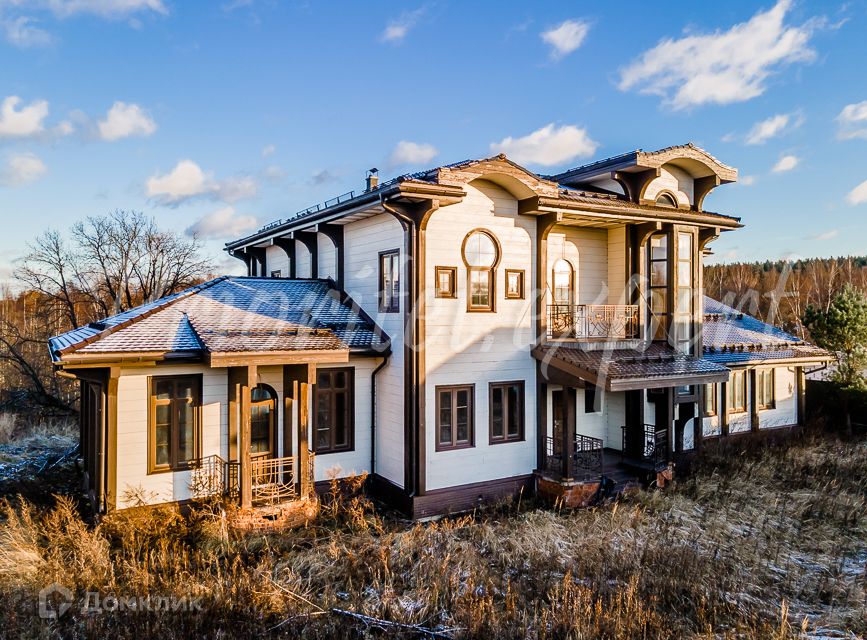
x=565, y=37
x=773, y=127
x=101, y=8
x=124, y=120
x=826, y=235
x=746, y=181
x=406, y=152
x=24, y=122
x=858, y=195
x=853, y=121
x=397, y=30
x=221, y=224
x=721, y=67
x=21, y=32
x=786, y=163
x=547, y=146
x=269, y=150
x=273, y=173
x=21, y=169
x=188, y=181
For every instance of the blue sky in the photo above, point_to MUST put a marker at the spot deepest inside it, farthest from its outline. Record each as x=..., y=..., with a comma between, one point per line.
x=218, y=117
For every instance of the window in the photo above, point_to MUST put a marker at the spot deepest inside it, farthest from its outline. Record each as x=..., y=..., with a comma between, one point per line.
x=666, y=200
x=446, y=279
x=507, y=411
x=737, y=393
x=765, y=388
x=514, y=284
x=481, y=255
x=263, y=421
x=683, y=299
x=657, y=254
x=277, y=273
x=592, y=399
x=454, y=422
x=389, y=281
x=710, y=400
x=562, y=282
x=174, y=425
x=334, y=410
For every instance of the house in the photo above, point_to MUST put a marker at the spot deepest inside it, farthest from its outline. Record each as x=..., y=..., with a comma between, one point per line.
x=460, y=334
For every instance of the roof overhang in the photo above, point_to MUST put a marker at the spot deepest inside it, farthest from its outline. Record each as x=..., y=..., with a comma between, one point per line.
x=265, y=358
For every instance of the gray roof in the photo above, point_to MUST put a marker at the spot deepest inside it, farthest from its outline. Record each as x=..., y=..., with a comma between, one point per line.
x=732, y=337
x=233, y=314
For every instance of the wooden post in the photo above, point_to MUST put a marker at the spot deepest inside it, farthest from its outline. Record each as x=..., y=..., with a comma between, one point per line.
x=754, y=400
x=111, y=429
x=303, y=426
x=245, y=475
x=801, y=395
x=570, y=399
x=724, y=410
x=541, y=422
x=698, y=430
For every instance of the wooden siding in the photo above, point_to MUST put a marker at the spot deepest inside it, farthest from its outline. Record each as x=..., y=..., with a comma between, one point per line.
x=276, y=260
x=604, y=424
x=617, y=269
x=479, y=348
x=303, y=260
x=674, y=180
x=327, y=257
x=586, y=249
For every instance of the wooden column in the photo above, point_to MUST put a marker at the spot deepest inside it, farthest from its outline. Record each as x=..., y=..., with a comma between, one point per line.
x=541, y=422
x=754, y=400
x=801, y=394
x=236, y=377
x=298, y=380
x=570, y=398
x=698, y=431
x=245, y=473
x=111, y=439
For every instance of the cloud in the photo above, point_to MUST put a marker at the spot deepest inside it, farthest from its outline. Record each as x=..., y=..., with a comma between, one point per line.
x=547, y=146
x=858, y=195
x=21, y=32
x=826, y=235
x=124, y=120
x=222, y=223
x=24, y=122
x=21, y=169
x=853, y=121
x=406, y=152
x=323, y=176
x=773, y=127
x=746, y=181
x=396, y=30
x=103, y=8
x=721, y=67
x=565, y=37
x=269, y=150
x=187, y=181
x=273, y=173
x=786, y=163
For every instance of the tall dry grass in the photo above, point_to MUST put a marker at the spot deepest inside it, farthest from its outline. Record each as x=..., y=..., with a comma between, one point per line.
x=768, y=544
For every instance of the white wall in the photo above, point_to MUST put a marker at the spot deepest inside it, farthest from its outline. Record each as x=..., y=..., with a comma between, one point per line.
x=586, y=249
x=617, y=269
x=713, y=424
x=675, y=180
x=327, y=264
x=303, y=261
x=479, y=348
x=785, y=411
x=363, y=240
x=276, y=259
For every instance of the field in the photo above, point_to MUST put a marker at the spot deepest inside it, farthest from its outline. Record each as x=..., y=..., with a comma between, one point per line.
x=765, y=544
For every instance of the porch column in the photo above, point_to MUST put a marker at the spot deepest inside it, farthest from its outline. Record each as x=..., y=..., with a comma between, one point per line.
x=698, y=431
x=541, y=423
x=569, y=429
x=801, y=395
x=297, y=381
x=754, y=400
x=111, y=441
x=245, y=472
x=724, y=409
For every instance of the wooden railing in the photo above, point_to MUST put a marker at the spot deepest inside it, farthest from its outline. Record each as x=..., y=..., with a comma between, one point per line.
x=593, y=321
x=650, y=447
x=272, y=479
x=586, y=455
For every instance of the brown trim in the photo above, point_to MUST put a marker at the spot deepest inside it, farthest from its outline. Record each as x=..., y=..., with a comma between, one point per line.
x=522, y=396
x=520, y=295
x=262, y=358
x=471, y=417
x=111, y=423
x=730, y=398
x=470, y=496
x=714, y=388
x=754, y=405
x=349, y=409
x=491, y=307
x=274, y=413
x=174, y=463
x=290, y=393
x=453, y=276
x=762, y=402
x=395, y=307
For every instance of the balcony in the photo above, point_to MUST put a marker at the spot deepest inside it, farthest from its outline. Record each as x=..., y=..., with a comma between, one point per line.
x=593, y=322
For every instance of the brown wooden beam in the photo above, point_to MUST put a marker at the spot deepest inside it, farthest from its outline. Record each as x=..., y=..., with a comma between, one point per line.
x=754, y=400
x=304, y=479
x=724, y=409
x=570, y=399
x=235, y=380
x=245, y=474
x=801, y=394
x=111, y=440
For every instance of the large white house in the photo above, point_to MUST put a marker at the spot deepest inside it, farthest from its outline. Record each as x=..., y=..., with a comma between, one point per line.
x=459, y=334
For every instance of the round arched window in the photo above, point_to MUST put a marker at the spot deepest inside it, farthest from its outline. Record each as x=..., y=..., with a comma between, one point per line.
x=666, y=200
x=263, y=420
x=481, y=254
x=563, y=281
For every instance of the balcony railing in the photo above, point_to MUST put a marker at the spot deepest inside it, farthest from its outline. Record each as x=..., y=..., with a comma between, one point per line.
x=593, y=321
x=650, y=447
x=586, y=455
x=273, y=479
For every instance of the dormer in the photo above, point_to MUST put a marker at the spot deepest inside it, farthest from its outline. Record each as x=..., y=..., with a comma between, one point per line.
x=678, y=177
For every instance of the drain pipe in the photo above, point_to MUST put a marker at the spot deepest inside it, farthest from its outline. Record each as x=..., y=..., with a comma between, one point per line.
x=379, y=368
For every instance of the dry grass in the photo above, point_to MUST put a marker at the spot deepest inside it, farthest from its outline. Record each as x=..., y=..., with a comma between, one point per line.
x=768, y=545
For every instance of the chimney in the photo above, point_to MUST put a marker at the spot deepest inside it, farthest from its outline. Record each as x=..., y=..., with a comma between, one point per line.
x=372, y=179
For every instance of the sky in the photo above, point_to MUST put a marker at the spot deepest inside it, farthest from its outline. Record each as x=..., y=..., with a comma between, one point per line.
x=218, y=117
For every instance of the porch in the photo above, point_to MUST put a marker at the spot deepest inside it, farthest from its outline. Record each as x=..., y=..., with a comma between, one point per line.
x=272, y=481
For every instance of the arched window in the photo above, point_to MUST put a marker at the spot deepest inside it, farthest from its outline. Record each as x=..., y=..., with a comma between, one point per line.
x=666, y=200
x=481, y=255
x=563, y=281
x=263, y=421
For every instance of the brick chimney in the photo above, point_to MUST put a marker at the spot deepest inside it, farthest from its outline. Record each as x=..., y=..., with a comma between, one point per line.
x=372, y=179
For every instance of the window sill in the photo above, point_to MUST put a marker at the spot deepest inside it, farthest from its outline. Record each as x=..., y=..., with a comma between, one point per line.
x=458, y=447
x=326, y=452
x=510, y=441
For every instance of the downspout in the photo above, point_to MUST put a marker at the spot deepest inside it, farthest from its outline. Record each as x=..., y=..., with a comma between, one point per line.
x=379, y=368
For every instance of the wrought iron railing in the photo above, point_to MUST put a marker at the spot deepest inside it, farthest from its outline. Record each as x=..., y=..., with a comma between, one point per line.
x=586, y=454
x=272, y=479
x=593, y=321
x=651, y=446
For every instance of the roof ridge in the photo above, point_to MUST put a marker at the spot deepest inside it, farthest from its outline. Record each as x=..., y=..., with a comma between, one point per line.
x=183, y=295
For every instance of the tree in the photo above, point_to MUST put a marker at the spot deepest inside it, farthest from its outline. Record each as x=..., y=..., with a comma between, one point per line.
x=842, y=329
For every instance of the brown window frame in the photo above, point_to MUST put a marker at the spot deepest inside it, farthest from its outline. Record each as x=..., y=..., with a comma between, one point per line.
x=453, y=277
x=711, y=391
x=174, y=463
x=506, y=437
x=454, y=444
x=520, y=294
x=491, y=271
x=350, y=411
x=389, y=303
x=762, y=402
x=272, y=426
x=730, y=400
